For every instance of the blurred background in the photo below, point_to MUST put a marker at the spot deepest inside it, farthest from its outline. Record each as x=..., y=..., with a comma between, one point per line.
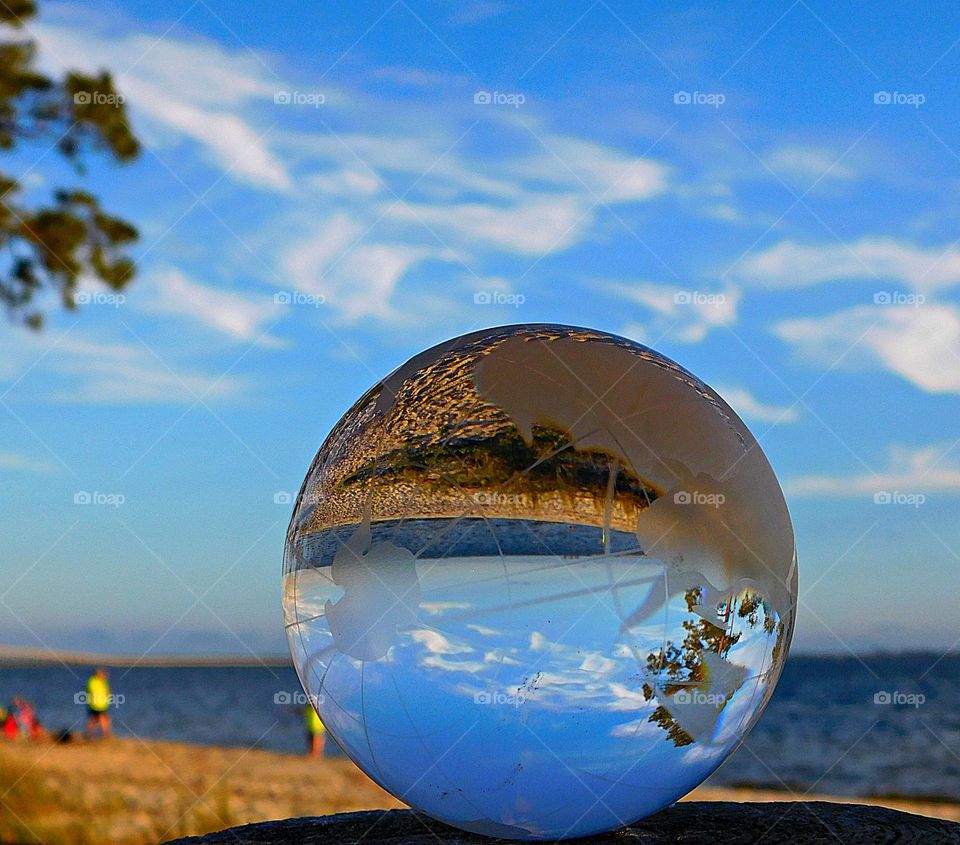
x=283, y=202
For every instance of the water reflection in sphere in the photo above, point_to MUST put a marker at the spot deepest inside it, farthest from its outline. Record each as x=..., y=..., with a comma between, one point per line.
x=539, y=582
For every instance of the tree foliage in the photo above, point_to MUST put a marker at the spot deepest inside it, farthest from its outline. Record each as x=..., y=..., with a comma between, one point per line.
x=682, y=666
x=51, y=247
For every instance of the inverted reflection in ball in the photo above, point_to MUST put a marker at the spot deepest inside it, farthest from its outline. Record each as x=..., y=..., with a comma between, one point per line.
x=539, y=582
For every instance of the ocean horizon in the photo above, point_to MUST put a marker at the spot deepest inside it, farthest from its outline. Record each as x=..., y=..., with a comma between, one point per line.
x=27, y=656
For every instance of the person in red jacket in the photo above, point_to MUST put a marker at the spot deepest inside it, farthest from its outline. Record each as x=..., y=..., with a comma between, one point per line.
x=26, y=715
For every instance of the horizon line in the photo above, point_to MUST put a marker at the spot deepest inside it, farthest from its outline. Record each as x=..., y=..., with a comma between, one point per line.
x=33, y=656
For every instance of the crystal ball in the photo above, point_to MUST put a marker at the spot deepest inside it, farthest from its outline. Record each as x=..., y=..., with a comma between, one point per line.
x=539, y=582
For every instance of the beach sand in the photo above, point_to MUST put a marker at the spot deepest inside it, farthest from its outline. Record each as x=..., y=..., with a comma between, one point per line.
x=128, y=791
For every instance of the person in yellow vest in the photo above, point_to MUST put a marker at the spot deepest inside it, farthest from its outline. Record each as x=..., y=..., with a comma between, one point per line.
x=315, y=730
x=98, y=704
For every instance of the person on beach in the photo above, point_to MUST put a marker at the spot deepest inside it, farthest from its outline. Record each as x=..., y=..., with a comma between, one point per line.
x=98, y=704
x=26, y=715
x=315, y=730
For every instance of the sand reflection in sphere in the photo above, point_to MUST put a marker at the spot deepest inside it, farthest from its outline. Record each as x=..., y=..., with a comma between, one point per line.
x=539, y=581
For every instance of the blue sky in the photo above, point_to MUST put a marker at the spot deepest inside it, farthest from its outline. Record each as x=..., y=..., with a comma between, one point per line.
x=767, y=193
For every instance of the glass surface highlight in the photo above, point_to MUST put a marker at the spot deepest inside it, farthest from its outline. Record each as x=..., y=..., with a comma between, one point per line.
x=539, y=582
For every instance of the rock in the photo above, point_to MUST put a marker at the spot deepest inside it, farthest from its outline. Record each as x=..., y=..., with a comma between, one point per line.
x=689, y=823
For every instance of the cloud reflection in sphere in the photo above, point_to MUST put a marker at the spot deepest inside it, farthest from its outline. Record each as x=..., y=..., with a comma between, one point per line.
x=539, y=582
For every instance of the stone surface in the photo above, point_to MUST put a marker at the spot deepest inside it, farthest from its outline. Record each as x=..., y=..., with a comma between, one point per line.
x=689, y=823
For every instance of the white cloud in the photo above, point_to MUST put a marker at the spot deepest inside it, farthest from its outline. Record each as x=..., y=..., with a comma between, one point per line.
x=811, y=163
x=23, y=463
x=789, y=264
x=534, y=197
x=682, y=314
x=235, y=146
x=311, y=255
x=636, y=727
x=437, y=643
x=348, y=182
x=128, y=374
x=499, y=657
x=748, y=406
x=482, y=629
x=430, y=157
x=605, y=173
x=438, y=661
x=921, y=344
x=909, y=470
x=238, y=317
x=368, y=277
x=544, y=225
x=190, y=89
x=88, y=371
x=357, y=278
x=724, y=212
x=219, y=97
x=435, y=607
x=527, y=204
x=598, y=664
x=627, y=698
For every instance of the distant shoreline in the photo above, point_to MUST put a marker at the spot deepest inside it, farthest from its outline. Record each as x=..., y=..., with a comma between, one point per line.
x=39, y=657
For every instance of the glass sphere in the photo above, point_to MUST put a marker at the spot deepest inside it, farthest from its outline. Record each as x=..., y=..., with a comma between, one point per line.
x=539, y=582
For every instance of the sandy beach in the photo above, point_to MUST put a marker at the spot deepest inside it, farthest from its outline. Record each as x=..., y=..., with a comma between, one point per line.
x=129, y=791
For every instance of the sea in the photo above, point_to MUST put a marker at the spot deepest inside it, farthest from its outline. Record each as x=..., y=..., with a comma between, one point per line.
x=878, y=726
